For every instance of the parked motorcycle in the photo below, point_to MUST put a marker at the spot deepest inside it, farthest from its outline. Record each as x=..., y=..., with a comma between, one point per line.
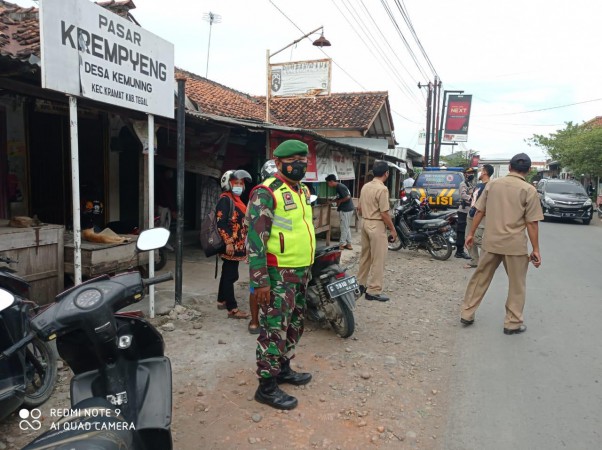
x=121, y=388
x=432, y=235
x=27, y=372
x=331, y=293
x=131, y=227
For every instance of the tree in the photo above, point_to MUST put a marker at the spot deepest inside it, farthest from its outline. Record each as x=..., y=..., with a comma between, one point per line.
x=578, y=147
x=457, y=159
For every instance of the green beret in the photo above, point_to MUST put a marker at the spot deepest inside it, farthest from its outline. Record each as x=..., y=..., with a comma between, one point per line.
x=290, y=148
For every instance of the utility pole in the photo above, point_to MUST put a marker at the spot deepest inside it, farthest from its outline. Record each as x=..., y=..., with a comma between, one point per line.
x=429, y=100
x=443, y=114
x=436, y=128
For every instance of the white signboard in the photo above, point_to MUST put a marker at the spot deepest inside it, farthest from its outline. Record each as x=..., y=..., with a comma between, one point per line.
x=300, y=78
x=343, y=162
x=90, y=52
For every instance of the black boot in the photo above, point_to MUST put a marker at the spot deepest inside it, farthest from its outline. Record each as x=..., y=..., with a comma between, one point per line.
x=288, y=375
x=270, y=394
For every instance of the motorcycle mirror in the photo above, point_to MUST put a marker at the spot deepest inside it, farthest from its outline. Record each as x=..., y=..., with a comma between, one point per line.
x=6, y=299
x=152, y=239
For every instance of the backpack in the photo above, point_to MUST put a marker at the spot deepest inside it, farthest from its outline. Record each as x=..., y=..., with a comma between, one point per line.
x=211, y=241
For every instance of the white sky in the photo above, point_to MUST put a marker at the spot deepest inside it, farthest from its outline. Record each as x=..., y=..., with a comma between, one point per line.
x=513, y=56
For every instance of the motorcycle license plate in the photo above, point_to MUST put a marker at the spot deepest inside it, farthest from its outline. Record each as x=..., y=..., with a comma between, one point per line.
x=342, y=286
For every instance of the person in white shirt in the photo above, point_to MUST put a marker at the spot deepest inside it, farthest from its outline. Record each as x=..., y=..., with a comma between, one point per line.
x=408, y=183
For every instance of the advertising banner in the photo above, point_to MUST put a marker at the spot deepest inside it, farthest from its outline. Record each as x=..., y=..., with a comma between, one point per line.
x=300, y=78
x=87, y=51
x=457, y=117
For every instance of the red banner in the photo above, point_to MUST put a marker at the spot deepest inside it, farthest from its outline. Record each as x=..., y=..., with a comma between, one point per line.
x=457, y=117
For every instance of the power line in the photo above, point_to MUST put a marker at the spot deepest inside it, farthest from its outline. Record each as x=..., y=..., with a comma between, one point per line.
x=384, y=58
x=406, y=43
x=320, y=48
x=542, y=109
x=406, y=17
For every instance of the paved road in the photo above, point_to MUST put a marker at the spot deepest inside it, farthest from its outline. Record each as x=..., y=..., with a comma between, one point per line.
x=541, y=390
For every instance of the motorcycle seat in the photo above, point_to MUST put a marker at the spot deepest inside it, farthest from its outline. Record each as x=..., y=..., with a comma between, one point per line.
x=429, y=223
x=438, y=215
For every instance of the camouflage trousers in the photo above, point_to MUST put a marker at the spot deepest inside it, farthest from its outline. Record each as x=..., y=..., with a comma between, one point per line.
x=281, y=322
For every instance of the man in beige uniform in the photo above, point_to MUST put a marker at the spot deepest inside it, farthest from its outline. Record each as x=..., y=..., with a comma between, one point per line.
x=511, y=204
x=374, y=209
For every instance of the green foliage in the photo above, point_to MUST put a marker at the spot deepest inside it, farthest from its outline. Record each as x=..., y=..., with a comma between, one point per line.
x=456, y=159
x=577, y=147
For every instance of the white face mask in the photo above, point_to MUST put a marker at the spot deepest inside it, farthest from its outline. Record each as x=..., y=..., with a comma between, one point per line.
x=237, y=190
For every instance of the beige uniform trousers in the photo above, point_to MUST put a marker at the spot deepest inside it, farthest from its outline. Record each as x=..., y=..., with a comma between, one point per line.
x=372, y=258
x=516, y=268
x=478, y=239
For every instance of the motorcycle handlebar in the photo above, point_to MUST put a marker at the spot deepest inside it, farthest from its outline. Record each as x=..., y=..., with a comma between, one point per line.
x=156, y=280
x=17, y=346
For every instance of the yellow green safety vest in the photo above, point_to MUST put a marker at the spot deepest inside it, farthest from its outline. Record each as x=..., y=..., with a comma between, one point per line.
x=292, y=241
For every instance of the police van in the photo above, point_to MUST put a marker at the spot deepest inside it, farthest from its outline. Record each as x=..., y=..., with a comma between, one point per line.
x=442, y=186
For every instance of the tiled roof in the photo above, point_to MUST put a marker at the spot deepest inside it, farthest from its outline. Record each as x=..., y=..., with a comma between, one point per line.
x=215, y=98
x=19, y=31
x=595, y=122
x=20, y=27
x=338, y=111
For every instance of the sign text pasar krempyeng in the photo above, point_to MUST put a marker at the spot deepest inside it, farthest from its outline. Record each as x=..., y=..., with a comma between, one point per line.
x=100, y=47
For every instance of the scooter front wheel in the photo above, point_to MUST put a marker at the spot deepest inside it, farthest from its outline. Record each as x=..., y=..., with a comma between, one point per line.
x=40, y=363
x=344, y=324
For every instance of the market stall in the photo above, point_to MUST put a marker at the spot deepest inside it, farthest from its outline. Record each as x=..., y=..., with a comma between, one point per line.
x=101, y=258
x=38, y=251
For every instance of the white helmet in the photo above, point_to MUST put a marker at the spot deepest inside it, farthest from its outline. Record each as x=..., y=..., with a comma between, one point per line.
x=236, y=174
x=269, y=169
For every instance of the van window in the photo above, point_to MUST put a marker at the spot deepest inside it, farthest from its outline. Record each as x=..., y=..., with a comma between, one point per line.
x=439, y=180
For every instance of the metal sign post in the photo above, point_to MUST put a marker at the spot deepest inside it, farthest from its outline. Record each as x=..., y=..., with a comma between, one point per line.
x=77, y=232
x=151, y=208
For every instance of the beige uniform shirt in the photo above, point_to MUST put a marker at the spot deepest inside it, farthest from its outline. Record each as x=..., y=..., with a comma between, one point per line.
x=509, y=204
x=374, y=200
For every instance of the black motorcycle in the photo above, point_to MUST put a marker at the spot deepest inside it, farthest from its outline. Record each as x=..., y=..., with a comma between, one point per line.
x=27, y=372
x=121, y=388
x=432, y=235
x=331, y=293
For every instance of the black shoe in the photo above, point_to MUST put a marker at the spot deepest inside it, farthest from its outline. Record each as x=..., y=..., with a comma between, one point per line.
x=288, y=375
x=466, y=322
x=362, y=289
x=377, y=297
x=518, y=330
x=462, y=255
x=270, y=394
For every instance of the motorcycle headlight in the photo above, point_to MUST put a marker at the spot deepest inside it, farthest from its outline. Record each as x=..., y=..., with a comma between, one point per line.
x=588, y=202
x=548, y=200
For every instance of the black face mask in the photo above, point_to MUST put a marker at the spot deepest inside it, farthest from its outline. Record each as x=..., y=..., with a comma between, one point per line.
x=470, y=177
x=294, y=171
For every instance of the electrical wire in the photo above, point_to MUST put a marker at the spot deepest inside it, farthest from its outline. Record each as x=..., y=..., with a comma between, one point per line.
x=321, y=49
x=542, y=109
x=387, y=63
x=406, y=17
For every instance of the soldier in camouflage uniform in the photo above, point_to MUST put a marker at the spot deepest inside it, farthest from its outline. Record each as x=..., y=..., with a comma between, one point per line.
x=281, y=245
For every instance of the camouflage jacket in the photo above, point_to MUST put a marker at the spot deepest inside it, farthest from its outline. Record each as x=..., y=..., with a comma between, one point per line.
x=259, y=218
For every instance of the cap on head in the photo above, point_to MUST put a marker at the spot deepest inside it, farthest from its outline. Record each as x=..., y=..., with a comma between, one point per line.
x=380, y=167
x=290, y=148
x=470, y=170
x=331, y=177
x=521, y=162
